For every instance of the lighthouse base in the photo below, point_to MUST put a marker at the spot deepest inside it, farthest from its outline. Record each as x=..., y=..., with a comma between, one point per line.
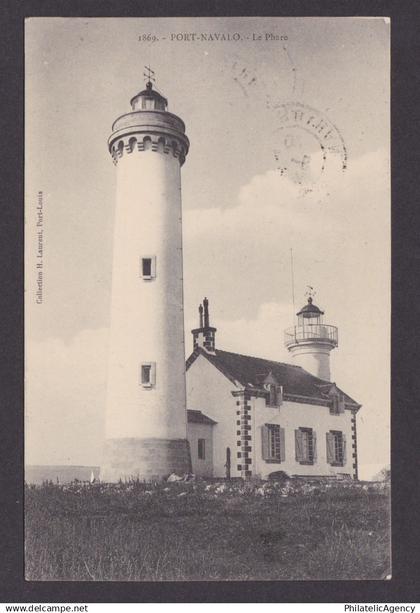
x=146, y=459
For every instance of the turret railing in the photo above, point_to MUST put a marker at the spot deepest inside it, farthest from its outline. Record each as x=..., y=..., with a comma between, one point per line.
x=311, y=332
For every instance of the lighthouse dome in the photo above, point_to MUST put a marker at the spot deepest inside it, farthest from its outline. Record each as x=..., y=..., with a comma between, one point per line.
x=149, y=100
x=310, y=310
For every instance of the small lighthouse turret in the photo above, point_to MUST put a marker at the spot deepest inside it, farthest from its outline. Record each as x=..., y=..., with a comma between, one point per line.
x=146, y=417
x=311, y=341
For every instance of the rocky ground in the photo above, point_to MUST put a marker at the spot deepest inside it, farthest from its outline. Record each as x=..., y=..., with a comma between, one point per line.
x=189, y=529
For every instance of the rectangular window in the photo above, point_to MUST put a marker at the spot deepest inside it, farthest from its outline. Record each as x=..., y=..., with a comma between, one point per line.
x=148, y=374
x=273, y=443
x=275, y=395
x=148, y=267
x=336, y=448
x=337, y=404
x=305, y=441
x=201, y=449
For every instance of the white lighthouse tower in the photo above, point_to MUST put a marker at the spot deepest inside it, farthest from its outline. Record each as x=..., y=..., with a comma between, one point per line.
x=146, y=418
x=311, y=341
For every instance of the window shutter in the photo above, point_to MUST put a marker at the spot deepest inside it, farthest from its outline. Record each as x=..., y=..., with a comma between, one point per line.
x=265, y=442
x=344, y=449
x=153, y=267
x=282, y=446
x=341, y=404
x=279, y=395
x=298, y=445
x=153, y=373
x=330, y=448
x=314, y=456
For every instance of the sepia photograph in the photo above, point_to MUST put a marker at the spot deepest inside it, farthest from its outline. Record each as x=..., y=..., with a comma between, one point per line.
x=207, y=299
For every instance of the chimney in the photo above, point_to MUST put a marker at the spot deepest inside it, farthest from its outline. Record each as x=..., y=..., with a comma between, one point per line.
x=204, y=336
x=200, y=311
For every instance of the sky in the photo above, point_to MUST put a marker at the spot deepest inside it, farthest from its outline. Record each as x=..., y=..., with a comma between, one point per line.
x=253, y=187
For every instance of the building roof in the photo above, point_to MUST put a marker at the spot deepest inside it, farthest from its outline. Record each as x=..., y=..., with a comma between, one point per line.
x=250, y=372
x=197, y=417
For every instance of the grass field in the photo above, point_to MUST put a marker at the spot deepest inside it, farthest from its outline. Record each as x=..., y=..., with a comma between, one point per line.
x=207, y=531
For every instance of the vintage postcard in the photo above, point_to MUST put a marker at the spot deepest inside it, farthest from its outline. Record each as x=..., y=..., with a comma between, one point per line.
x=207, y=297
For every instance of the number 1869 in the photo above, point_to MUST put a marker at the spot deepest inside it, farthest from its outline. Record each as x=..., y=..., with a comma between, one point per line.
x=148, y=38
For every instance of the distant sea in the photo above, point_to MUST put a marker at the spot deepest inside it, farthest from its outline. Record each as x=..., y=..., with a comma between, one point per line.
x=60, y=474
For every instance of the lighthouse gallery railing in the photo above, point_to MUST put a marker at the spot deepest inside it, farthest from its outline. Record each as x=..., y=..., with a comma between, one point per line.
x=309, y=332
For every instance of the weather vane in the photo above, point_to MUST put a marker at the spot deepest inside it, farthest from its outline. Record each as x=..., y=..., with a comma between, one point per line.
x=311, y=293
x=150, y=76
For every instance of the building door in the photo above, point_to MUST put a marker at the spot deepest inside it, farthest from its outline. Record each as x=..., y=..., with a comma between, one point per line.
x=227, y=465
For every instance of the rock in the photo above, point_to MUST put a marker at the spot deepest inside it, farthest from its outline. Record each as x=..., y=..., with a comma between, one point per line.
x=188, y=477
x=173, y=477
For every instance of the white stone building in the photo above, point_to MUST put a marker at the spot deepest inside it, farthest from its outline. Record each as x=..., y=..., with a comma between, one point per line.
x=235, y=415
x=252, y=417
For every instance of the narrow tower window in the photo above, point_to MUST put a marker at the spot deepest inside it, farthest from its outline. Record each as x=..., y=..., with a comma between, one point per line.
x=148, y=267
x=148, y=374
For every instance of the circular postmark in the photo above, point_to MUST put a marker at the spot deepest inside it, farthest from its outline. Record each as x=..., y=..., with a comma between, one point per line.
x=306, y=141
x=261, y=82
